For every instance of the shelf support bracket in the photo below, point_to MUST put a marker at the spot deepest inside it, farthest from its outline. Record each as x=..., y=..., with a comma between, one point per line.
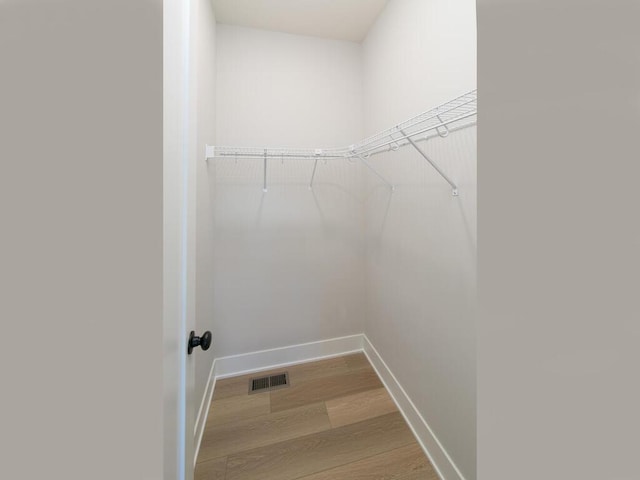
x=442, y=174
x=317, y=154
x=264, y=184
x=315, y=165
x=375, y=172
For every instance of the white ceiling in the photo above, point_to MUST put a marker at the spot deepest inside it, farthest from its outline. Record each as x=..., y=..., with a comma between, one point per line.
x=337, y=19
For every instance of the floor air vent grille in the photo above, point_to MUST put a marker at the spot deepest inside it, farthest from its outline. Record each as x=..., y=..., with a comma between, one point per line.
x=272, y=382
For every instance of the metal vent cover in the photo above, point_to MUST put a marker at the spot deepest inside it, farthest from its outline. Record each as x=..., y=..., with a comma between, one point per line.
x=268, y=383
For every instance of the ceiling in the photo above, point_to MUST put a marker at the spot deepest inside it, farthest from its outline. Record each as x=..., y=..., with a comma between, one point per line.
x=338, y=19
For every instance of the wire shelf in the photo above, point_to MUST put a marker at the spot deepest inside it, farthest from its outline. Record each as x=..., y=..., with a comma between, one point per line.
x=432, y=123
x=251, y=152
x=436, y=119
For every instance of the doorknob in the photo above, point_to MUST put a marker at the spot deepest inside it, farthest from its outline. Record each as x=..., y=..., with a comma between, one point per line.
x=203, y=342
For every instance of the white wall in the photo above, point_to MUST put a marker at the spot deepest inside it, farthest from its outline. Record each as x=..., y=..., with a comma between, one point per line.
x=288, y=263
x=292, y=265
x=205, y=54
x=421, y=241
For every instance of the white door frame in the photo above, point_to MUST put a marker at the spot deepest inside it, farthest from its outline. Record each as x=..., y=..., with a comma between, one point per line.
x=179, y=260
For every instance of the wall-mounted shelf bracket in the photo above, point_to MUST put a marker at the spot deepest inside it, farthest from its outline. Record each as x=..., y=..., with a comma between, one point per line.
x=264, y=184
x=317, y=154
x=433, y=164
x=210, y=151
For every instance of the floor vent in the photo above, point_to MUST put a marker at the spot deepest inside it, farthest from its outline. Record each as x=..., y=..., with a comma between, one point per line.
x=272, y=382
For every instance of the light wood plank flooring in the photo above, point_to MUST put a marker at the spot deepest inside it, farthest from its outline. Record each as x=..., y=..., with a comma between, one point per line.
x=335, y=421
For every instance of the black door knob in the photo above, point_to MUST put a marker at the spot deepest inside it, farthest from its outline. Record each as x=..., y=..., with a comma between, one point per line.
x=203, y=342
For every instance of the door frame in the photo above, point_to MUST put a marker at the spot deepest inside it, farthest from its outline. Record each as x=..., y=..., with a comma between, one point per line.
x=179, y=259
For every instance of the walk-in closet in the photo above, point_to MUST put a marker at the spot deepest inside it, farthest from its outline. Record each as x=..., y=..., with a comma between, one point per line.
x=334, y=156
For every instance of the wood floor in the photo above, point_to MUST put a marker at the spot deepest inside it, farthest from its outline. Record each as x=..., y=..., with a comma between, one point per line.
x=335, y=421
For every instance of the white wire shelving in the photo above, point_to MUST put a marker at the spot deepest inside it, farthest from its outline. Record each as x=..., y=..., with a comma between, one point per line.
x=437, y=122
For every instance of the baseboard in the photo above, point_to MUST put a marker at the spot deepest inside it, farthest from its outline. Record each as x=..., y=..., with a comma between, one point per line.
x=203, y=412
x=439, y=457
x=278, y=357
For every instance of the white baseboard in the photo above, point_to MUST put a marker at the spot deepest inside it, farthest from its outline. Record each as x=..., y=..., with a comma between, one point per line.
x=283, y=356
x=203, y=412
x=439, y=457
